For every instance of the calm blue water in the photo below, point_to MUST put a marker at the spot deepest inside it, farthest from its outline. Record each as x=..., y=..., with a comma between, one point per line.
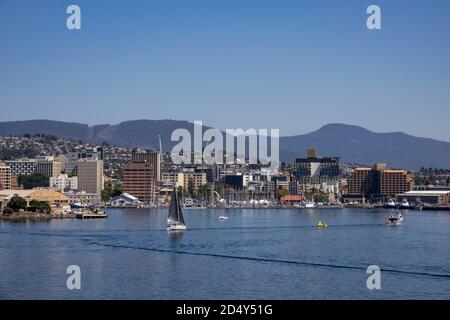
x=256, y=254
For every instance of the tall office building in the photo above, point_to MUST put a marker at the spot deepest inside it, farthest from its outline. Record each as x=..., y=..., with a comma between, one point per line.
x=5, y=176
x=379, y=182
x=138, y=180
x=70, y=165
x=142, y=174
x=90, y=176
x=316, y=170
x=150, y=157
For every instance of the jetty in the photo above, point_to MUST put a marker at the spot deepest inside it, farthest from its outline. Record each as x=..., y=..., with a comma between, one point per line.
x=91, y=215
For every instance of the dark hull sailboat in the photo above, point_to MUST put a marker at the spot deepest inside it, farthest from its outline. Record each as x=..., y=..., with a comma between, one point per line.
x=175, y=220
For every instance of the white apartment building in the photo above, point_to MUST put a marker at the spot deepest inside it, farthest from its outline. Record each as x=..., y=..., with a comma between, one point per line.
x=64, y=183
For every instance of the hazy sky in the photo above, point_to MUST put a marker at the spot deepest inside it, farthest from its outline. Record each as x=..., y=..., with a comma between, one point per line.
x=293, y=65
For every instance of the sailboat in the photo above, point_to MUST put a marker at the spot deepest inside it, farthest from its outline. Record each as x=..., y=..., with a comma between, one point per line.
x=175, y=220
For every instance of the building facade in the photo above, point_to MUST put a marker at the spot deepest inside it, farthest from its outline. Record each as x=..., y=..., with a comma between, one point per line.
x=71, y=163
x=90, y=176
x=315, y=170
x=190, y=178
x=379, y=182
x=150, y=157
x=48, y=166
x=138, y=180
x=5, y=176
x=436, y=197
x=22, y=167
x=64, y=183
x=142, y=174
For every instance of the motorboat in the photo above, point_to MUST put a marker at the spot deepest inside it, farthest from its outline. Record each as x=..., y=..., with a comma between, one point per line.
x=395, y=219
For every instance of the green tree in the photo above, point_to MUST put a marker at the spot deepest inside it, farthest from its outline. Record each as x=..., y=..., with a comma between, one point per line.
x=281, y=193
x=40, y=206
x=17, y=203
x=117, y=190
x=35, y=180
x=191, y=186
x=8, y=211
x=107, y=192
x=110, y=192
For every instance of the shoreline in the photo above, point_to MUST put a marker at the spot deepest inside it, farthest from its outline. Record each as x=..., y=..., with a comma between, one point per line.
x=34, y=217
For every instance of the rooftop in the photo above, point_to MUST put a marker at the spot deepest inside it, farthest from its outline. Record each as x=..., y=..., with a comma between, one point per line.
x=425, y=193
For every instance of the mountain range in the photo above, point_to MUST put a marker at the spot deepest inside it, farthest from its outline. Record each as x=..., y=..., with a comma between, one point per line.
x=353, y=144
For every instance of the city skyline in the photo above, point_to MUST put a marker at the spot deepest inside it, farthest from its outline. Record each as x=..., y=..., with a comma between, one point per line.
x=290, y=65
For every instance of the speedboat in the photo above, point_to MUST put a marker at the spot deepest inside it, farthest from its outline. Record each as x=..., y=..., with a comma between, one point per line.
x=395, y=219
x=223, y=217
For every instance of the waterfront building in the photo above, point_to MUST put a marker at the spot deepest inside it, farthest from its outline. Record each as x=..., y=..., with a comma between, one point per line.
x=138, y=180
x=22, y=167
x=292, y=199
x=426, y=196
x=64, y=183
x=82, y=197
x=378, y=182
x=141, y=175
x=5, y=176
x=90, y=176
x=125, y=200
x=314, y=170
x=54, y=198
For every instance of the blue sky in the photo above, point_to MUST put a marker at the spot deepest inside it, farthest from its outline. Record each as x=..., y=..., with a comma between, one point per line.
x=293, y=65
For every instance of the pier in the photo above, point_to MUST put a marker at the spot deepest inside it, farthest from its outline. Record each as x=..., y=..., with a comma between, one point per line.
x=92, y=215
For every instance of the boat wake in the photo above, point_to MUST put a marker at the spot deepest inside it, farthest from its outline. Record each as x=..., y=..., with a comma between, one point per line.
x=280, y=261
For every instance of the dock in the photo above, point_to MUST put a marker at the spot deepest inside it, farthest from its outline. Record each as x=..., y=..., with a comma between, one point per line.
x=92, y=215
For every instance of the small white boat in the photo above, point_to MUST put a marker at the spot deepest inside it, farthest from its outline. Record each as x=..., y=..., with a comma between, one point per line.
x=395, y=219
x=310, y=204
x=405, y=204
x=223, y=217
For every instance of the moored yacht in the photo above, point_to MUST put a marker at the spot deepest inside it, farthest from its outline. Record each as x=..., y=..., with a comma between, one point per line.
x=310, y=204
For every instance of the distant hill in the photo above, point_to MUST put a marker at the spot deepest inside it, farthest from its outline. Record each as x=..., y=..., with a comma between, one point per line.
x=352, y=144
x=358, y=145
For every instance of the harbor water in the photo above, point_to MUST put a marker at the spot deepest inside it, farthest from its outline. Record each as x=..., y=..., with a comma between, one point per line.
x=254, y=254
